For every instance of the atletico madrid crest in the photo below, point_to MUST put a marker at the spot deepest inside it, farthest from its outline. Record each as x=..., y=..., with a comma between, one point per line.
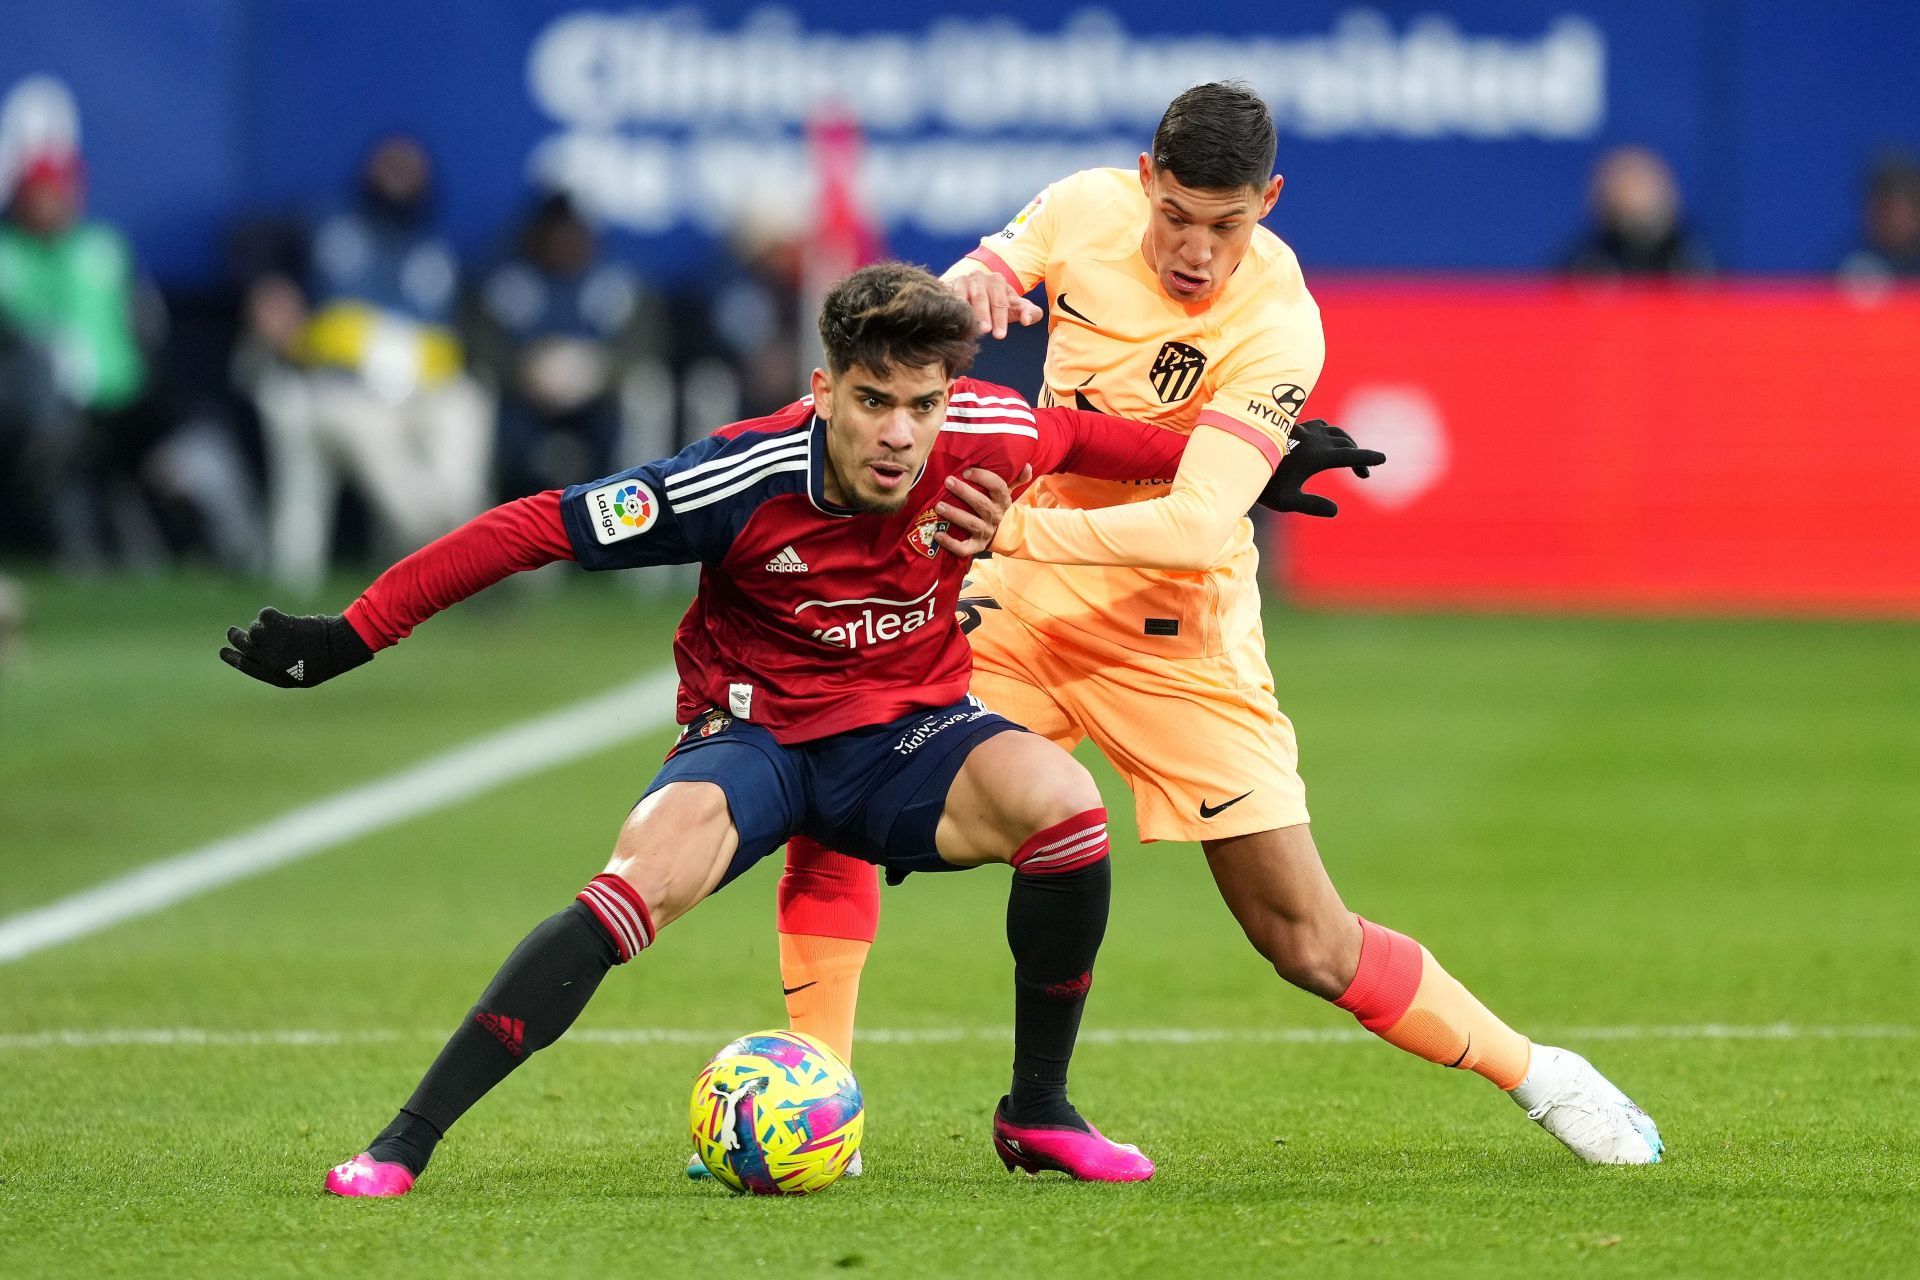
x=921, y=536
x=1176, y=371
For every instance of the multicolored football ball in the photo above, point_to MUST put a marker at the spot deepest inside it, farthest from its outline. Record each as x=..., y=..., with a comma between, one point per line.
x=776, y=1113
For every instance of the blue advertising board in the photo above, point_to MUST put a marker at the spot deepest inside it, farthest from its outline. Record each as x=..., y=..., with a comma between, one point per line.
x=1455, y=135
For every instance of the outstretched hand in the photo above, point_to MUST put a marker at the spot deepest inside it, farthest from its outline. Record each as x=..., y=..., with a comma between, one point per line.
x=994, y=302
x=295, y=653
x=1314, y=447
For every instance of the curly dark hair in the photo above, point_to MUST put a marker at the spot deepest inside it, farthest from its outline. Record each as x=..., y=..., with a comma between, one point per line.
x=896, y=313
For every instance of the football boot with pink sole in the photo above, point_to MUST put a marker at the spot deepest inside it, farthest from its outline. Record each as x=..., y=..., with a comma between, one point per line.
x=1087, y=1156
x=365, y=1176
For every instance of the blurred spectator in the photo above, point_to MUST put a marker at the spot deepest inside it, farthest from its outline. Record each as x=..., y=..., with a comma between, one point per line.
x=99, y=465
x=753, y=311
x=369, y=383
x=554, y=329
x=1889, y=224
x=1638, y=229
x=67, y=348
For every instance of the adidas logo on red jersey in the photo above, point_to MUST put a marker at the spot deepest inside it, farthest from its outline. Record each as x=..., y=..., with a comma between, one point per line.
x=788, y=561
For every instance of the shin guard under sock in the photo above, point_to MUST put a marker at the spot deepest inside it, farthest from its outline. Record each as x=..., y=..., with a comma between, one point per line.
x=530, y=1003
x=1401, y=994
x=1056, y=918
x=828, y=908
x=820, y=977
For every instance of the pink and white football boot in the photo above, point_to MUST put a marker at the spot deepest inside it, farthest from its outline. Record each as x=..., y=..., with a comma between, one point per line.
x=365, y=1176
x=1087, y=1157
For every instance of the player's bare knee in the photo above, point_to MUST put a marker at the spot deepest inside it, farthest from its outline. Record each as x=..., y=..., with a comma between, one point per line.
x=674, y=846
x=1067, y=828
x=1306, y=956
x=1013, y=787
x=1062, y=792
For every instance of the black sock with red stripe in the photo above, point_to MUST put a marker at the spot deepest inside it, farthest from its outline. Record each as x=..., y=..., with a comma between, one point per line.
x=1056, y=918
x=530, y=1003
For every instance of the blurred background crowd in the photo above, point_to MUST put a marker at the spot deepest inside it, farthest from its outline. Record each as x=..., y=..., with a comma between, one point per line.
x=350, y=382
x=345, y=363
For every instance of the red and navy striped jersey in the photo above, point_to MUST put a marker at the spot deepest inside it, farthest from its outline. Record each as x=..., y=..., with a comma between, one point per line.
x=811, y=619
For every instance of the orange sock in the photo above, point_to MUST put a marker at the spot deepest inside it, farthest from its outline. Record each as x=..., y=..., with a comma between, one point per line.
x=1401, y=994
x=829, y=909
x=821, y=977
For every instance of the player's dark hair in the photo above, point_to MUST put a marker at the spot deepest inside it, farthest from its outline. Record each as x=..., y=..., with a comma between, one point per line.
x=1216, y=137
x=896, y=313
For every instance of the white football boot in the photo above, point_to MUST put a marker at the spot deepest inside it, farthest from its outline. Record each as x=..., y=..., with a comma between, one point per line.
x=1579, y=1106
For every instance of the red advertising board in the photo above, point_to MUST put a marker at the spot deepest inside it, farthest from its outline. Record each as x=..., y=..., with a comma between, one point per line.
x=1647, y=448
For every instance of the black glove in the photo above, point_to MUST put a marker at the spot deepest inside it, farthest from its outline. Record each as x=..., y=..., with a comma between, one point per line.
x=295, y=653
x=1316, y=446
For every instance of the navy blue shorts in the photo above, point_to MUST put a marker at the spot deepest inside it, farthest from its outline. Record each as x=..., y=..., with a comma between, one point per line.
x=876, y=793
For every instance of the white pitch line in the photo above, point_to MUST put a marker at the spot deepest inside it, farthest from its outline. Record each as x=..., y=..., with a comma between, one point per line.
x=572, y=733
x=308, y=1038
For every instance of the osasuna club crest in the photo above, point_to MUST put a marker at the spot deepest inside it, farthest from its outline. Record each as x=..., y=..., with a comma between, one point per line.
x=921, y=536
x=708, y=723
x=1176, y=371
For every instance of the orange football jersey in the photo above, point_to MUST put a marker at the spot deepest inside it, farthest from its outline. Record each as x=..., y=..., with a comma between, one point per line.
x=1243, y=361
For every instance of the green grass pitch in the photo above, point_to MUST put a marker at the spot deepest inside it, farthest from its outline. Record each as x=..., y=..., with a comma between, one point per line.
x=1617, y=832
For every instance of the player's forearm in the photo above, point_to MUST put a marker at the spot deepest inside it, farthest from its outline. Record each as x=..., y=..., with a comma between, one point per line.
x=509, y=539
x=1109, y=448
x=1174, y=532
x=964, y=267
x=1187, y=529
x=985, y=259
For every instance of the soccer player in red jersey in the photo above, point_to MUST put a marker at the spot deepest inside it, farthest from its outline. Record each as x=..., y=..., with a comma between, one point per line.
x=824, y=691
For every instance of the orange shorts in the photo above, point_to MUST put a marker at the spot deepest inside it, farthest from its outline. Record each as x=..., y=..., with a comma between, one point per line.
x=1201, y=742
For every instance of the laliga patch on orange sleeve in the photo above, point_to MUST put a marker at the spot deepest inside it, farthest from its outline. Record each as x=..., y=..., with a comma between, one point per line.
x=1013, y=229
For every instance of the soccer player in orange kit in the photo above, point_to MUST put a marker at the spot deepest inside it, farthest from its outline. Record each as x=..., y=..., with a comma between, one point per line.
x=1129, y=613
